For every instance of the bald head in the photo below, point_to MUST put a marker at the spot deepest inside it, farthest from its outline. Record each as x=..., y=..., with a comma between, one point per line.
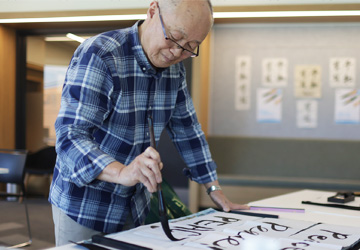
x=171, y=6
x=174, y=3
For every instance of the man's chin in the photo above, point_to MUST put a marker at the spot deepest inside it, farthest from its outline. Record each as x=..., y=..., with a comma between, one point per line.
x=166, y=62
x=162, y=65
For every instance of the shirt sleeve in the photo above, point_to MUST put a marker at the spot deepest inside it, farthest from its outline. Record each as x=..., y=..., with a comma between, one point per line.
x=85, y=104
x=189, y=139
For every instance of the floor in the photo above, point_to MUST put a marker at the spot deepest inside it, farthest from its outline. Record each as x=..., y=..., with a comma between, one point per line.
x=13, y=227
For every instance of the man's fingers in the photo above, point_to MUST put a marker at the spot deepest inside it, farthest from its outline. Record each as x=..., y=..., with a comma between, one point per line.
x=146, y=169
x=147, y=183
x=150, y=152
x=223, y=203
x=148, y=173
x=154, y=168
x=239, y=207
x=153, y=174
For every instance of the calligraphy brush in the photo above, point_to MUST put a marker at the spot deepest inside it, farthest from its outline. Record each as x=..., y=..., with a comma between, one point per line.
x=162, y=206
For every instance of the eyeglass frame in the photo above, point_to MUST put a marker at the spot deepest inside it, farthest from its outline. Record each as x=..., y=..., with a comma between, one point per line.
x=168, y=38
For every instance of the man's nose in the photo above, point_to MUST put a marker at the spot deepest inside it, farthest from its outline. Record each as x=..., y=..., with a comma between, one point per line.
x=176, y=50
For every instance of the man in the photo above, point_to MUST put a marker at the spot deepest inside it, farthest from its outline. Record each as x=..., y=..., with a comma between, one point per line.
x=106, y=170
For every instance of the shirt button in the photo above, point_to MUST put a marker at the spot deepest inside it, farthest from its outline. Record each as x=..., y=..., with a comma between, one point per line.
x=147, y=134
x=144, y=69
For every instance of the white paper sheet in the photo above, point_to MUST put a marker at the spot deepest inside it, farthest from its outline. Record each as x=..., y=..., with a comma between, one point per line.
x=257, y=228
x=226, y=231
x=306, y=245
x=242, y=82
x=274, y=72
x=269, y=105
x=329, y=234
x=347, y=106
x=342, y=72
x=306, y=116
x=308, y=81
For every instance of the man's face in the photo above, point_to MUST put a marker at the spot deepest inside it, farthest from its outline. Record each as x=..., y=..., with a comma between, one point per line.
x=187, y=27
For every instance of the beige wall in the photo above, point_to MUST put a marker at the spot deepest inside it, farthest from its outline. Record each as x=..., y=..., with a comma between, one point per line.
x=43, y=106
x=200, y=83
x=52, y=97
x=35, y=58
x=7, y=87
x=58, y=53
x=35, y=50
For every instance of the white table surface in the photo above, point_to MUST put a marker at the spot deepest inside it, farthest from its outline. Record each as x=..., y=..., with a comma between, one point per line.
x=312, y=213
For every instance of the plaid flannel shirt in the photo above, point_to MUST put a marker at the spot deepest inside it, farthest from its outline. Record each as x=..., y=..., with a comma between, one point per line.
x=109, y=89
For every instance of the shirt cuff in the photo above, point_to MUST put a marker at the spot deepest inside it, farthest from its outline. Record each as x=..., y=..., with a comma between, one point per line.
x=92, y=170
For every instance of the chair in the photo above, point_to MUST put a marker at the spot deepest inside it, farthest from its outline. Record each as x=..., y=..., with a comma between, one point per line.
x=12, y=166
x=41, y=162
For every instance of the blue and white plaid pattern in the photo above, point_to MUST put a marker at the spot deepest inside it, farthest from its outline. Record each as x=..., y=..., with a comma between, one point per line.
x=109, y=89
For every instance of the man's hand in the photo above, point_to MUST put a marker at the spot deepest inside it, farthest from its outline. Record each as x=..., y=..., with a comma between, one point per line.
x=145, y=168
x=221, y=201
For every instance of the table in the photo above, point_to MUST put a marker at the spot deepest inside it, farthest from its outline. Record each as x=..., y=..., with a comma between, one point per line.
x=293, y=200
x=312, y=213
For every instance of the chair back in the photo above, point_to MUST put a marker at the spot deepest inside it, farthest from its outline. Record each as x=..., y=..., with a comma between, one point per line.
x=42, y=161
x=12, y=164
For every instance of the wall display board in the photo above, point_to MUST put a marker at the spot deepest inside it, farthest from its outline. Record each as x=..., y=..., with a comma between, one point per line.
x=294, y=80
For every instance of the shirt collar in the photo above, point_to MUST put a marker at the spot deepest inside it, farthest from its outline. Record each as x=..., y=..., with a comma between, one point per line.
x=139, y=53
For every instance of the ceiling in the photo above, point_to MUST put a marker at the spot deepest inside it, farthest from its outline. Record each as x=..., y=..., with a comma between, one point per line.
x=79, y=5
x=66, y=8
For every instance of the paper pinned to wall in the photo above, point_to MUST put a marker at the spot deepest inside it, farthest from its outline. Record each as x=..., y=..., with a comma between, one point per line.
x=242, y=82
x=306, y=116
x=347, y=106
x=342, y=72
x=269, y=105
x=308, y=81
x=274, y=72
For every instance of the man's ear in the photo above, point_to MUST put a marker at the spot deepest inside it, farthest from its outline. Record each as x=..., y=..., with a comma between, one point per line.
x=152, y=9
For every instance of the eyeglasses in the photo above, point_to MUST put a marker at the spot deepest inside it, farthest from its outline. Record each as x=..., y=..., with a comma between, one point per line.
x=189, y=52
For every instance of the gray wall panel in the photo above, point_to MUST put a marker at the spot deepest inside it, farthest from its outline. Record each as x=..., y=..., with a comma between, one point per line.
x=312, y=43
